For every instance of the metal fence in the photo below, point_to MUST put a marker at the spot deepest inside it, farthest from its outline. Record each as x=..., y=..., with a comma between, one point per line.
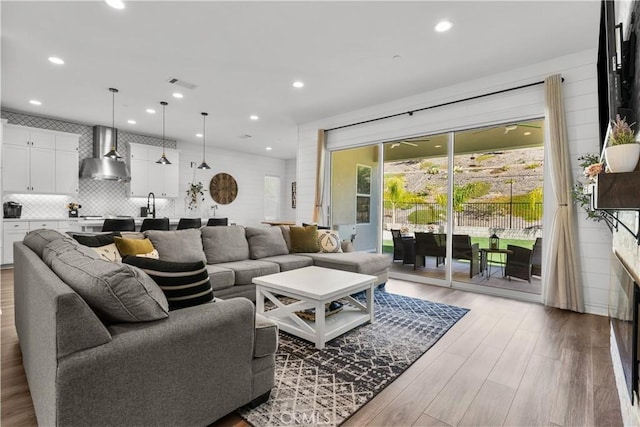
x=489, y=215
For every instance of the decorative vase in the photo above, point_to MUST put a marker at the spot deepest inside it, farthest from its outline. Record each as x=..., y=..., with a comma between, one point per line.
x=623, y=157
x=73, y=213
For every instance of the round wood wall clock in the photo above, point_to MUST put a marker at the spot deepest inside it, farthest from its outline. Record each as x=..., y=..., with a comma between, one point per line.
x=223, y=188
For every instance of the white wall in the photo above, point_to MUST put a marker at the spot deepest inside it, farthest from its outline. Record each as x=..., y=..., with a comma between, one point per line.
x=249, y=172
x=581, y=104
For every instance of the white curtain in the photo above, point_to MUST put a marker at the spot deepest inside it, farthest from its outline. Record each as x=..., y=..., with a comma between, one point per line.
x=561, y=270
x=317, y=210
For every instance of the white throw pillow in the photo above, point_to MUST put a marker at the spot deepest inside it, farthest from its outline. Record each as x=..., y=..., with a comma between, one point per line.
x=109, y=253
x=329, y=241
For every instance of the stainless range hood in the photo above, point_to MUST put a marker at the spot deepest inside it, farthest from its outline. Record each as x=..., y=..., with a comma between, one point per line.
x=104, y=168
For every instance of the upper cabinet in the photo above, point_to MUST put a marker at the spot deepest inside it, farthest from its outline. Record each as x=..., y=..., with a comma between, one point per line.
x=39, y=161
x=147, y=176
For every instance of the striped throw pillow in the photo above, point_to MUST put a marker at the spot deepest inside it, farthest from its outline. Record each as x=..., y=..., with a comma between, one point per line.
x=185, y=284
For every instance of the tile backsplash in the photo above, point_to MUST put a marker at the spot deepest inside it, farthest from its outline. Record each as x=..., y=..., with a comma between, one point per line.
x=96, y=197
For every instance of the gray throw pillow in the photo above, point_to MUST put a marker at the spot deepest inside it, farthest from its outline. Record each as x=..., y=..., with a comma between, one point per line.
x=36, y=240
x=224, y=244
x=265, y=242
x=178, y=245
x=286, y=233
x=115, y=292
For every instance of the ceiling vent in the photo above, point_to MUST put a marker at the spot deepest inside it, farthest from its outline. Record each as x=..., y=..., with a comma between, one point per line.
x=181, y=83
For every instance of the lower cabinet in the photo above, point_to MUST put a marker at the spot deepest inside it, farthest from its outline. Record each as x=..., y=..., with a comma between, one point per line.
x=14, y=231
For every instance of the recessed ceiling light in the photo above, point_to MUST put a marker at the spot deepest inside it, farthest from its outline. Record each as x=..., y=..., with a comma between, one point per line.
x=198, y=135
x=35, y=102
x=254, y=117
x=443, y=26
x=151, y=111
x=298, y=84
x=268, y=148
x=131, y=122
x=116, y=4
x=56, y=60
x=527, y=133
x=178, y=95
x=437, y=146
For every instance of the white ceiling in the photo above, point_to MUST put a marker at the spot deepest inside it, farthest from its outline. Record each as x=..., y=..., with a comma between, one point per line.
x=244, y=56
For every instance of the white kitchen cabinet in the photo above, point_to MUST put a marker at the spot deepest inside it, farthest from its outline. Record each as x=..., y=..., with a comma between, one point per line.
x=13, y=231
x=30, y=161
x=148, y=176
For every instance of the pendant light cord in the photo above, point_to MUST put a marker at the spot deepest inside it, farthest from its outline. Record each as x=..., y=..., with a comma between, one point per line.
x=164, y=104
x=204, y=134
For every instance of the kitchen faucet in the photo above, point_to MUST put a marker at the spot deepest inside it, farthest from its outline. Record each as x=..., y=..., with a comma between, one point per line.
x=151, y=208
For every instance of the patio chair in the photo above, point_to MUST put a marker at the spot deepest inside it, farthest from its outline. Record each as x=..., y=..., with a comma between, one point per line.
x=463, y=249
x=518, y=263
x=428, y=244
x=403, y=248
x=536, y=258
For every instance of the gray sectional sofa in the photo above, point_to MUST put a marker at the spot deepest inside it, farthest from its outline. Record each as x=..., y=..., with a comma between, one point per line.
x=236, y=254
x=100, y=347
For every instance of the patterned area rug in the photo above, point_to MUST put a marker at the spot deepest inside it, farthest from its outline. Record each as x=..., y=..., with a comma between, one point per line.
x=325, y=387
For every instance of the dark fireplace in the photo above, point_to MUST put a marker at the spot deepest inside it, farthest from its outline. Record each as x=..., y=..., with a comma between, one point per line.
x=623, y=312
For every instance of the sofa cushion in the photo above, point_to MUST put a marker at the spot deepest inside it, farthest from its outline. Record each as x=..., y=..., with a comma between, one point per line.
x=36, y=240
x=329, y=241
x=220, y=278
x=178, y=245
x=133, y=246
x=185, y=284
x=115, y=292
x=224, y=244
x=246, y=270
x=304, y=239
x=289, y=262
x=61, y=246
x=356, y=262
x=265, y=242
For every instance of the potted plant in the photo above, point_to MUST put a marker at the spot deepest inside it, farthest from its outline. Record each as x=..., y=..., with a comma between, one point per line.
x=622, y=151
x=73, y=209
x=194, y=195
x=581, y=191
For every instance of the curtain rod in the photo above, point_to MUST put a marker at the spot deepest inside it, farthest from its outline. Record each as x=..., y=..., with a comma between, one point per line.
x=410, y=112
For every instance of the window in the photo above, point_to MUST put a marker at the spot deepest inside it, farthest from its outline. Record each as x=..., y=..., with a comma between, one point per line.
x=363, y=194
x=271, y=197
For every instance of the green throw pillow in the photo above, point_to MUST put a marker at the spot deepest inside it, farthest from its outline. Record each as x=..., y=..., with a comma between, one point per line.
x=304, y=239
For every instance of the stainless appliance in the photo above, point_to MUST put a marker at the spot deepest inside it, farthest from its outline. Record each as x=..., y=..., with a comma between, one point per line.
x=104, y=168
x=12, y=209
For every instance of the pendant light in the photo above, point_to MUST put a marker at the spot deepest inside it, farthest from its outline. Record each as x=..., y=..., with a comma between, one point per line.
x=113, y=154
x=163, y=160
x=204, y=164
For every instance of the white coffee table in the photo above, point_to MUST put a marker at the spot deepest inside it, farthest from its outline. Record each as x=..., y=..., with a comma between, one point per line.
x=314, y=287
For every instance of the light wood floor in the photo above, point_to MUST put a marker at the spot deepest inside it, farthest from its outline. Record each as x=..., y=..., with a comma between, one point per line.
x=505, y=363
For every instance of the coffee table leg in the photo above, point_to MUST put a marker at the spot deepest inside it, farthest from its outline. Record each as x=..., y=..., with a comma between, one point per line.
x=319, y=324
x=370, y=303
x=259, y=300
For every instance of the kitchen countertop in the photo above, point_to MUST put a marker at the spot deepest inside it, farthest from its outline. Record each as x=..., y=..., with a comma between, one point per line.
x=60, y=218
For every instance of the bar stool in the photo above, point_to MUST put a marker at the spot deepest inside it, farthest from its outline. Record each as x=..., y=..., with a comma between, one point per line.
x=119, y=224
x=155, y=224
x=218, y=221
x=189, y=223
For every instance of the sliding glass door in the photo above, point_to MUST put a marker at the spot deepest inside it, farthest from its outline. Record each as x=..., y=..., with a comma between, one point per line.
x=460, y=209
